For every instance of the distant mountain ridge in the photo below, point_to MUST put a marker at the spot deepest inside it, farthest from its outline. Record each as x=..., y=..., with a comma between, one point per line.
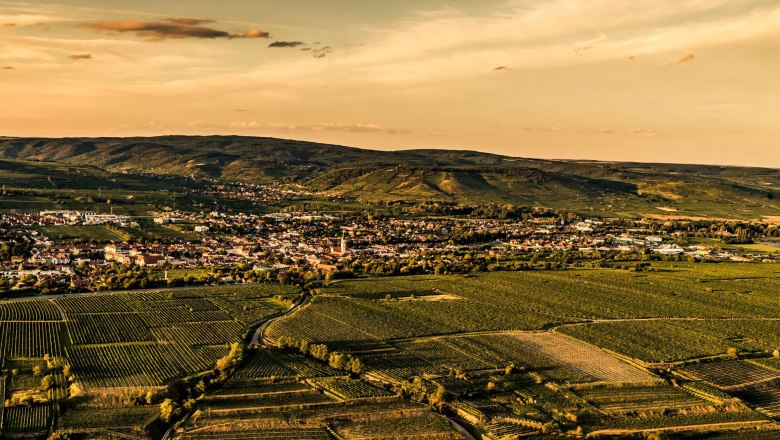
x=420, y=175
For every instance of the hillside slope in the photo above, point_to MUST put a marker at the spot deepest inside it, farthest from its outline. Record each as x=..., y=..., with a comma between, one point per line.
x=427, y=175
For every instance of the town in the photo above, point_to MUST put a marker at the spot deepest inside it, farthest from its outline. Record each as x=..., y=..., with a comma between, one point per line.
x=220, y=247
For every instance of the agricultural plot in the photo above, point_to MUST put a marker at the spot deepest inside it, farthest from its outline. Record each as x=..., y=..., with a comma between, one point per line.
x=640, y=400
x=29, y=339
x=29, y=310
x=261, y=364
x=730, y=374
x=149, y=338
x=347, y=389
x=258, y=386
x=101, y=329
x=408, y=424
x=772, y=363
x=26, y=419
x=80, y=233
x=133, y=417
x=353, y=420
x=395, y=366
x=673, y=340
x=676, y=291
x=211, y=333
x=109, y=303
x=265, y=401
x=110, y=366
x=552, y=355
x=262, y=434
x=764, y=396
x=304, y=366
x=351, y=323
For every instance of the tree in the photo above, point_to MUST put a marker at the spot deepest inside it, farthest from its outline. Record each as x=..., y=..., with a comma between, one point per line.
x=168, y=410
x=47, y=382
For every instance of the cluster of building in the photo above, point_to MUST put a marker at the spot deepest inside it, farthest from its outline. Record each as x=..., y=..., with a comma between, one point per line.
x=278, y=240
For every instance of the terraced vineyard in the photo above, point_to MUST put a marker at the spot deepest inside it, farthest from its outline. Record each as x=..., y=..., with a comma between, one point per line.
x=348, y=389
x=512, y=354
x=27, y=419
x=730, y=374
x=641, y=399
x=764, y=396
x=115, y=342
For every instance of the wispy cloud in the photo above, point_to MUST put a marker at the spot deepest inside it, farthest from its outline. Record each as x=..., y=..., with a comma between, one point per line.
x=286, y=44
x=172, y=28
x=320, y=127
x=683, y=59
x=81, y=56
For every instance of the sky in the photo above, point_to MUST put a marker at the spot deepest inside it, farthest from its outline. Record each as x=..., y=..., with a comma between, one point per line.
x=693, y=81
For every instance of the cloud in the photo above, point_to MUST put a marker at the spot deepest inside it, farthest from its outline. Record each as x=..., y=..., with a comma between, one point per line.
x=189, y=21
x=81, y=56
x=256, y=33
x=500, y=68
x=9, y=24
x=286, y=44
x=647, y=132
x=322, y=52
x=7, y=68
x=321, y=127
x=683, y=59
x=172, y=28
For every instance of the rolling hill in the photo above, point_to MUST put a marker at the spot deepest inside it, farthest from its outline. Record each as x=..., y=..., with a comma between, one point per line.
x=451, y=176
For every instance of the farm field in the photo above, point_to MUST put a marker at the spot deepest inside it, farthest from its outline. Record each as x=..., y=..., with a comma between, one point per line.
x=81, y=233
x=555, y=356
x=572, y=330
x=730, y=374
x=113, y=342
x=354, y=312
x=676, y=340
x=641, y=399
x=513, y=353
x=316, y=400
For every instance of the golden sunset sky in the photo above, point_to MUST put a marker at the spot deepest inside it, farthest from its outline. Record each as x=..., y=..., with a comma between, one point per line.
x=652, y=80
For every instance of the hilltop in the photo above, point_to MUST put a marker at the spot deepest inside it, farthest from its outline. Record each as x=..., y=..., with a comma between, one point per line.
x=450, y=176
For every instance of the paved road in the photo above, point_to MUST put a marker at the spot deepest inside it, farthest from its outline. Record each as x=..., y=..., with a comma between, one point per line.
x=258, y=337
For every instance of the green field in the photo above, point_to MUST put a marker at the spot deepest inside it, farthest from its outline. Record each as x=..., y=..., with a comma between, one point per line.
x=102, y=344
x=513, y=353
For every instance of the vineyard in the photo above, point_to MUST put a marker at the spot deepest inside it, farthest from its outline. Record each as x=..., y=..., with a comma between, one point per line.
x=666, y=341
x=730, y=374
x=348, y=389
x=764, y=396
x=641, y=399
x=119, y=341
x=26, y=419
